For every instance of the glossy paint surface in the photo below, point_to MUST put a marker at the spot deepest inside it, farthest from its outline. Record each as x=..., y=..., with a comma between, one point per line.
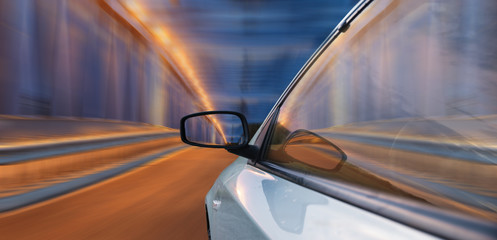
x=408, y=94
x=247, y=203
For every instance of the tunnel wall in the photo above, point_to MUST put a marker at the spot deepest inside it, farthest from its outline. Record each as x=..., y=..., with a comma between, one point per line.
x=74, y=58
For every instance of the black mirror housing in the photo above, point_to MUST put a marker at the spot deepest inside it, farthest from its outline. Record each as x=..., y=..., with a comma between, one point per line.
x=215, y=129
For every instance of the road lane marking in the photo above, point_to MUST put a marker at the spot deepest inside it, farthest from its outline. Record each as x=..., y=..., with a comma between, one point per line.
x=40, y=195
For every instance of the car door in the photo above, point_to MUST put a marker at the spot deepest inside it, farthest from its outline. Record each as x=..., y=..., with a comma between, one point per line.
x=249, y=203
x=376, y=137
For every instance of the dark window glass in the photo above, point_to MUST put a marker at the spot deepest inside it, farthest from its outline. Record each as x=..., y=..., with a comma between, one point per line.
x=404, y=102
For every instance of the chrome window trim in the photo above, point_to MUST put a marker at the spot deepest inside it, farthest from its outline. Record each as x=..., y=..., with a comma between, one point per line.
x=273, y=114
x=432, y=220
x=340, y=28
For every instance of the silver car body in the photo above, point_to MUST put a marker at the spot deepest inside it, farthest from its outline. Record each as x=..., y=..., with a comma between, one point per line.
x=240, y=208
x=251, y=200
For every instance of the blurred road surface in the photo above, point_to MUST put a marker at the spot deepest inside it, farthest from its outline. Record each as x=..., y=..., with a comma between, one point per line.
x=163, y=199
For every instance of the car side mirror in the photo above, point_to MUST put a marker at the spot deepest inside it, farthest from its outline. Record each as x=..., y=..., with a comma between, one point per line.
x=215, y=129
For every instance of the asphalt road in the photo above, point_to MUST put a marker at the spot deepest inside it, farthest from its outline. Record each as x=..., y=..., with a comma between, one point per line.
x=160, y=200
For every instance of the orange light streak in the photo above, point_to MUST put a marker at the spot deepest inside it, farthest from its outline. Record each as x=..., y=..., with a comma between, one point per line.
x=167, y=42
x=136, y=9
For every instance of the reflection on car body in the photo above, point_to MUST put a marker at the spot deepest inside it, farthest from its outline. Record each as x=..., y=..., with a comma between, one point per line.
x=389, y=131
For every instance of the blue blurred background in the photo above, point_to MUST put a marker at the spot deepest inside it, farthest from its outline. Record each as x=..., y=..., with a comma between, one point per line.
x=154, y=61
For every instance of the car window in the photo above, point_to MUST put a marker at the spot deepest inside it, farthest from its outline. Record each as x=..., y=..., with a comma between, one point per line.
x=404, y=102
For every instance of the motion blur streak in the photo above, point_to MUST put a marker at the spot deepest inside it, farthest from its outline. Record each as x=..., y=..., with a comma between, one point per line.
x=169, y=204
x=166, y=40
x=82, y=59
x=235, y=55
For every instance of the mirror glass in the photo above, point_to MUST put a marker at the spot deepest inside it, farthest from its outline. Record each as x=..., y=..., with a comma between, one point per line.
x=215, y=130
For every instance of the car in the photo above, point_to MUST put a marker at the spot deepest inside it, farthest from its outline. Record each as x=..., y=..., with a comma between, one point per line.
x=389, y=131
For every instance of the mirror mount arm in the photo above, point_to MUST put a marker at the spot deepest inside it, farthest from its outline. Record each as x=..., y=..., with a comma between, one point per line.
x=249, y=151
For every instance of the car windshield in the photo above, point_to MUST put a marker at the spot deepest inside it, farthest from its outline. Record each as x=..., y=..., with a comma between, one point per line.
x=407, y=100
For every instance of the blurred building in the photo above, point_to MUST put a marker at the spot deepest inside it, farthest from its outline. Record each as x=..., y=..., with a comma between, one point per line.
x=89, y=59
x=246, y=52
x=80, y=59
